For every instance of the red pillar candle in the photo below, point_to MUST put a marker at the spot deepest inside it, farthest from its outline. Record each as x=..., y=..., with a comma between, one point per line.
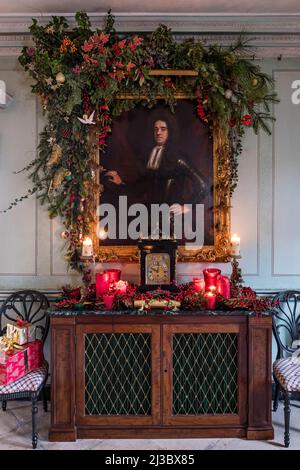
x=210, y=277
x=121, y=287
x=114, y=274
x=226, y=283
x=199, y=284
x=210, y=300
x=223, y=286
x=108, y=300
x=102, y=283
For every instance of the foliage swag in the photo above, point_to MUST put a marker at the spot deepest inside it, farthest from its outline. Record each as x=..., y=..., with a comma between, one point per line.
x=79, y=71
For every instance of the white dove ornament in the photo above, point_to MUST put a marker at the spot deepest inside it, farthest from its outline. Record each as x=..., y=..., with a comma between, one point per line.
x=87, y=120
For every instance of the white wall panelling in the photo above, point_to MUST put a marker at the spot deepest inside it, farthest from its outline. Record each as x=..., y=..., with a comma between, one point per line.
x=18, y=228
x=286, y=188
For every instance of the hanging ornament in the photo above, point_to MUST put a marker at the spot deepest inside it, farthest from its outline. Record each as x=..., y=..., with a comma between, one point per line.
x=51, y=140
x=49, y=81
x=254, y=82
x=87, y=119
x=246, y=120
x=55, y=155
x=60, y=78
x=64, y=235
x=228, y=94
x=230, y=59
x=66, y=133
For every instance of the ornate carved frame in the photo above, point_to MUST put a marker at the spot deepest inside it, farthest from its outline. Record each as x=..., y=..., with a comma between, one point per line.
x=222, y=170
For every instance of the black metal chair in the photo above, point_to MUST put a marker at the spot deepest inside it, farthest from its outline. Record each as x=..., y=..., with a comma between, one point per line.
x=286, y=368
x=29, y=305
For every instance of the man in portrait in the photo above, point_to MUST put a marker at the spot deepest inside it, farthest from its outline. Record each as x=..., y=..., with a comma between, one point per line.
x=161, y=171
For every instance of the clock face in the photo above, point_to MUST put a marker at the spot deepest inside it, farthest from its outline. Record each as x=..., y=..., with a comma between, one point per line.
x=157, y=268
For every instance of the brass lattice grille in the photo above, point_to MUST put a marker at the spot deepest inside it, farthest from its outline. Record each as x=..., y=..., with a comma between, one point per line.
x=204, y=373
x=118, y=374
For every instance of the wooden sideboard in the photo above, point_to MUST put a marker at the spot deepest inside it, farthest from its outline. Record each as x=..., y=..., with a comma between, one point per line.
x=160, y=375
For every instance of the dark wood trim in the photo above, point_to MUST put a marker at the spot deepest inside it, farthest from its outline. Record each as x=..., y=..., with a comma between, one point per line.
x=163, y=433
x=242, y=374
x=63, y=378
x=160, y=319
x=203, y=420
x=81, y=417
x=259, y=378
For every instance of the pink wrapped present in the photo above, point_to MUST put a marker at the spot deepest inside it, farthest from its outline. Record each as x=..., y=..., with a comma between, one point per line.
x=18, y=362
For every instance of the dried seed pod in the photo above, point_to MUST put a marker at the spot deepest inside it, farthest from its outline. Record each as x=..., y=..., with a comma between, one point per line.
x=59, y=176
x=55, y=155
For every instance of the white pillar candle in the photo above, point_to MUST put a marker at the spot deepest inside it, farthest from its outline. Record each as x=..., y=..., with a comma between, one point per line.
x=87, y=247
x=235, y=245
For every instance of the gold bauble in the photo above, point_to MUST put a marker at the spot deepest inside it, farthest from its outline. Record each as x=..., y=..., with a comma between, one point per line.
x=254, y=82
x=228, y=94
x=60, y=78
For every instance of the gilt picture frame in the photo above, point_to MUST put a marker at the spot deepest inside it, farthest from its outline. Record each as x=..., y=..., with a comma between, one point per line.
x=217, y=250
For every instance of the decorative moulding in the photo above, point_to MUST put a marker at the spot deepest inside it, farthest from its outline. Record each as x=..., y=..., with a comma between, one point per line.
x=272, y=35
x=184, y=22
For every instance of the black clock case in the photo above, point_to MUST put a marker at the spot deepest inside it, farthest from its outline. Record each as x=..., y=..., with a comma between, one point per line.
x=157, y=246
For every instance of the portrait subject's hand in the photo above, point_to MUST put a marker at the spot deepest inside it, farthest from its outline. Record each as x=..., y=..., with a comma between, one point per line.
x=114, y=177
x=178, y=209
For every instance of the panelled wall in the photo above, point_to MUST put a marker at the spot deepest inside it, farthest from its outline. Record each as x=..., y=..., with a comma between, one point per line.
x=265, y=205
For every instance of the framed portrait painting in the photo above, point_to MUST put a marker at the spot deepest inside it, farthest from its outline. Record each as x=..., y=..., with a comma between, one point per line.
x=156, y=158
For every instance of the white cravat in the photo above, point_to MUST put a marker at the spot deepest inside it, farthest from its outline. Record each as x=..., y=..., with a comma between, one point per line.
x=155, y=158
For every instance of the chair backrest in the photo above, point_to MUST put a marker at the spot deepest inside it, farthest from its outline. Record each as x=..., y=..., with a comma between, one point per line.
x=29, y=305
x=286, y=321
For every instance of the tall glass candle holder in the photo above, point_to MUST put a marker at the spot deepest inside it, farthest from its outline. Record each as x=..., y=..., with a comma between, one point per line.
x=102, y=283
x=210, y=276
x=114, y=274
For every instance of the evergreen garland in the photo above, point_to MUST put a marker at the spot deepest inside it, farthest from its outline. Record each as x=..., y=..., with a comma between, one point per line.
x=79, y=71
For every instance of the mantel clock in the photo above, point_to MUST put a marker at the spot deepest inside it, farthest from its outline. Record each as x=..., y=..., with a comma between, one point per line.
x=157, y=264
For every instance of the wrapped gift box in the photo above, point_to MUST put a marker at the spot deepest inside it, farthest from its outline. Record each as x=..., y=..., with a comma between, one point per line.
x=21, y=333
x=156, y=304
x=16, y=363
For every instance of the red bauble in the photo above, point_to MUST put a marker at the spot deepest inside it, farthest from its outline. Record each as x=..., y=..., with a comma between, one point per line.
x=247, y=120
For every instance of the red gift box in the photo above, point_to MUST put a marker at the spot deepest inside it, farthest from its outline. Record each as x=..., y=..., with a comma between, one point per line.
x=18, y=362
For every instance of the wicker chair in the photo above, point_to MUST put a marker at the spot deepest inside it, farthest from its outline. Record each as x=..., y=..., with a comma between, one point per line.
x=286, y=368
x=28, y=305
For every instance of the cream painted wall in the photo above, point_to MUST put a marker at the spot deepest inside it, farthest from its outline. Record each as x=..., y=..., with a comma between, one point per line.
x=265, y=204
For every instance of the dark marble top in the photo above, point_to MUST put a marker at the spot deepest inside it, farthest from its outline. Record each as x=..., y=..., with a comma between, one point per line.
x=80, y=312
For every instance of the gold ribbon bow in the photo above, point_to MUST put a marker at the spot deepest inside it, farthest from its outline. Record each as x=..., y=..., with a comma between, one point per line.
x=8, y=344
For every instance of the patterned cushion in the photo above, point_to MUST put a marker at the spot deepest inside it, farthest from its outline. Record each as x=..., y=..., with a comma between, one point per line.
x=29, y=383
x=287, y=372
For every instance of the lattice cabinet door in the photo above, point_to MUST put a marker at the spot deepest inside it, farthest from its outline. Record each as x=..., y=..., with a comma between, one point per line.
x=205, y=374
x=118, y=373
